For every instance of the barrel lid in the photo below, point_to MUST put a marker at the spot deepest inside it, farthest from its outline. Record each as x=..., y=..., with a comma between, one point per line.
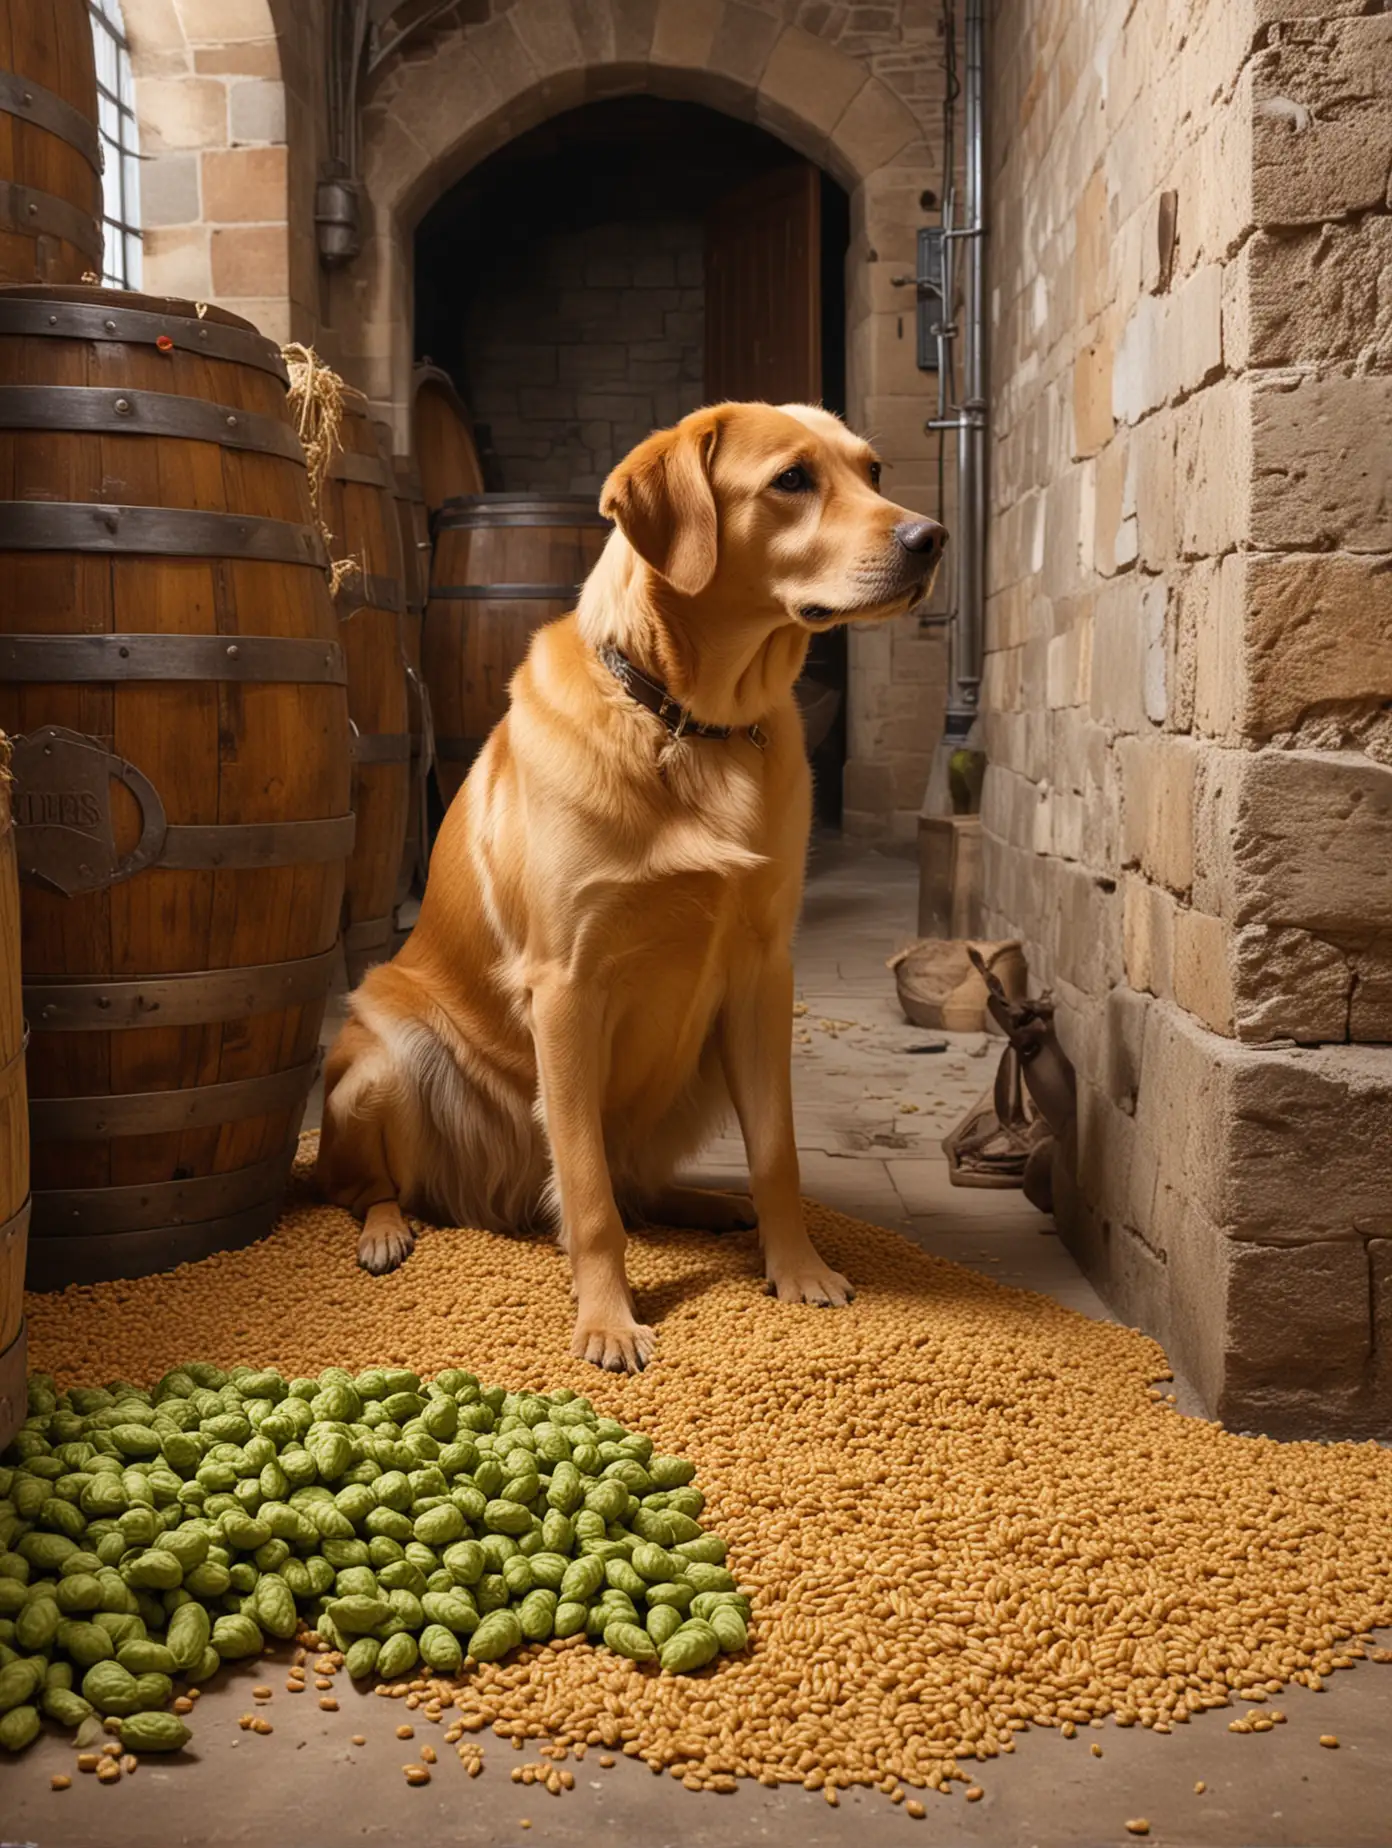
x=77, y=311
x=175, y=305
x=508, y=509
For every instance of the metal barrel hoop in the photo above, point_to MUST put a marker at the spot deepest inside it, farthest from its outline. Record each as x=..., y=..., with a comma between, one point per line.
x=62, y=319
x=146, y=413
x=30, y=102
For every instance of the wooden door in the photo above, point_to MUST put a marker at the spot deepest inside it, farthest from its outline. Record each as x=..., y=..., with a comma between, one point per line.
x=764, y=341
x=763, y=289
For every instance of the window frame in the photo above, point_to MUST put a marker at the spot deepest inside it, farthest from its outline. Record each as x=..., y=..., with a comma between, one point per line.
x=121, y=229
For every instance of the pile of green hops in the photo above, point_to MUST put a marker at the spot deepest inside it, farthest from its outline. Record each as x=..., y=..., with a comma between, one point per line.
x=151, y=1535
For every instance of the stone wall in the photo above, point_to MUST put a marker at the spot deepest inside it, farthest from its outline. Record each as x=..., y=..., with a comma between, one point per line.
x=210, y=102
x=576, y=347
x=1189, y=805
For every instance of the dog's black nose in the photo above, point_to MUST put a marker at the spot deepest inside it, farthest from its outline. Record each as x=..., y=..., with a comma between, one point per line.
x=924, y=537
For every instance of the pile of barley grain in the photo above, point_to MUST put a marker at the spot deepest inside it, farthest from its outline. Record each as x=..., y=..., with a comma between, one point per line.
x=960, y=1509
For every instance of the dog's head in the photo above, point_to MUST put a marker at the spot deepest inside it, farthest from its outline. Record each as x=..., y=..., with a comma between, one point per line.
x=775, y=510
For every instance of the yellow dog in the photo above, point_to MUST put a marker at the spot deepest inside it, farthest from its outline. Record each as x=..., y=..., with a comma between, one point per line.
x=602, y=964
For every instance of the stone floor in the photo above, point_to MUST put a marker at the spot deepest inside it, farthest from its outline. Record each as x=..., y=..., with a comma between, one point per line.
x=873, y=1104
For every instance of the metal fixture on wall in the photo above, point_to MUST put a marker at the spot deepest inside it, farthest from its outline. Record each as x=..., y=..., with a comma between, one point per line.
x=362, y=35
x=967, y=416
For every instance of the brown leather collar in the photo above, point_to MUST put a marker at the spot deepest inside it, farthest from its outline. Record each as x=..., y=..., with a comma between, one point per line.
x=653, y=695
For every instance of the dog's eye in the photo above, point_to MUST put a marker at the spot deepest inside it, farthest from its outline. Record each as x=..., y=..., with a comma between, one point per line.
x=794, y=480
x=874, y=474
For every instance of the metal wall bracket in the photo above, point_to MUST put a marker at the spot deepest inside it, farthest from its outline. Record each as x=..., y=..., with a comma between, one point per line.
x=929, y=284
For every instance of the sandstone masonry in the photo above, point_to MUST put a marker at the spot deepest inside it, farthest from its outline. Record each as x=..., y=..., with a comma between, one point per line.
x=1189, y=806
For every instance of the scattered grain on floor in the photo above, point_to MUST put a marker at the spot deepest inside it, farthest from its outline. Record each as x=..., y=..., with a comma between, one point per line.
x=957, y=1507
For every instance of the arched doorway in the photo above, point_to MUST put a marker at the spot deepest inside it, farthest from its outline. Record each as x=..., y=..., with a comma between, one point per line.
x=477, y=85
x=616, y=266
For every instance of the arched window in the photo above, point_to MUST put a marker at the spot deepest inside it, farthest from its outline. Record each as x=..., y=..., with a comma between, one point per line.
x=120, y=146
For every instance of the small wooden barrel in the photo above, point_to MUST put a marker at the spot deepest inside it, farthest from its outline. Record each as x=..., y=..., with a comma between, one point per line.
x=443, y=439
x=170, y=665
x=414, y=526
x=14, y=1133
x=359, y=508
x=504, y=564
x=50, y=152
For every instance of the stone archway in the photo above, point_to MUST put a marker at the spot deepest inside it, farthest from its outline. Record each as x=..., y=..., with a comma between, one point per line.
x=430, y=119
x=210, y=95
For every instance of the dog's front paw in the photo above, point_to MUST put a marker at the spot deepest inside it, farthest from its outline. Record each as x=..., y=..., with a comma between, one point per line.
x=386, y=1240
x=619, y=1346
x=805, y=1279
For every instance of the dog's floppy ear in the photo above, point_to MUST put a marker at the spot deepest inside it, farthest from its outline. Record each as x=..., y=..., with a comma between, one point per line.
x=661, y=498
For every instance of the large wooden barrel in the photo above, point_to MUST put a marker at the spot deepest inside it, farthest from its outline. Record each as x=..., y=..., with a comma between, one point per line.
x=170, y=660
x=359, y=508
x=50, y=152
x=504, y=564
x=442, y=439
x=414, y=527
x=14, y=1132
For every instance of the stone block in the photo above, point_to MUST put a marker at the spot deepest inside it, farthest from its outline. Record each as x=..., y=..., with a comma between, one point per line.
x=1319, y=459
x=743, y=40
x=1220, y=652
x=1092, y=249
x=873, y=128
x=1109, y=481
x=868, y=787
x=634, y=23
x=1196, y=329
x=807, y=85
x=256, y=111
x=1213, y=453
x=176, y=262
x=1093, y=423
x=1370, y=1009
x=1068, y=674
x=1148, y=937
x=273, y=316
x=1299, y=838
x=1315, y=294
x=1294, y=1114
x=896, y=425
x=1084, y=927
x=1128, y=613
x=684, y=32
x=217, y=22
x=1202, y=977
x=1289, y=984
x=245, y=185
x=1157, y=782
x=1322, y=143
x=249, y=58
x=1380, y=1291
x=1123, y=1045
x=249, y=260
x=547, y=31
x=1318, y=631
x=1297, y=1323
x=169, y=190
x=182, y=112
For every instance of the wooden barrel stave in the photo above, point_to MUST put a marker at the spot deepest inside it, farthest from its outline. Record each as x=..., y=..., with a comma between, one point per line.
x=442, y=439
x=360, y=510
x=414, y=526
x=49, y=149
x=14, y=1133
x=221, y=753
x=509, y=545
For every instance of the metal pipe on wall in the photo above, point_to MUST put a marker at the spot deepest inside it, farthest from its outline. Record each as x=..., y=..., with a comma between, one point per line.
x=972, y=437
x=968, y=418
